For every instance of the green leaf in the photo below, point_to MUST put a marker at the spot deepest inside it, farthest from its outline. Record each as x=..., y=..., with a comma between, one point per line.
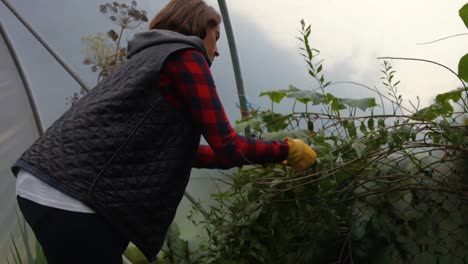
x=301, y=95
x=25, y=238
x=363, y=128
x=300, y=134
x=252, y=122
x=435, y=137
x=319, y=69
x=304, y=100
x=405, y=132
x=256, y=213
x=15, y=251
x=456, y=137
x=293, y=88
x=445, y=109
x=383, y=132
x=186, y=260
x=359, y=148
x=220, y=195
x=381, y=123
x=463, y=68
x=427, y=114
x=454, y=95
x=370, y=123
x=362, y=104
x=40, y=257
x=464, y=14
x=309, y=51
x=275, y=122
x=133, y=254
x=391, y=143
x=178, y=246
x=397, y=140
x=351, y=128
x=334, y=102
x=275, y=96
x=312, y=73
x=326, y=84
x=337, y=106
x=310, y=125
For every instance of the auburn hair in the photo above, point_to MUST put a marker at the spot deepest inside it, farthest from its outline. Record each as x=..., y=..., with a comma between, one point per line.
x=187, y=17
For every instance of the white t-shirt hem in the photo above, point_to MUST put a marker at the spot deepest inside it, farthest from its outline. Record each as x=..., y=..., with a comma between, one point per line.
x=34, y=189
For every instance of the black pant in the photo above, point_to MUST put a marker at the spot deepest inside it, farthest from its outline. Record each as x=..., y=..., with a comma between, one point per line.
x=73, y=237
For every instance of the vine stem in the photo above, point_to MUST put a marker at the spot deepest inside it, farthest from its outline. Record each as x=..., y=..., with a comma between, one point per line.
x=437, y=40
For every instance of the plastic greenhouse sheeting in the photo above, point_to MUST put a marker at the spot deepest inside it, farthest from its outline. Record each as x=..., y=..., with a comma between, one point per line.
x=18, y=129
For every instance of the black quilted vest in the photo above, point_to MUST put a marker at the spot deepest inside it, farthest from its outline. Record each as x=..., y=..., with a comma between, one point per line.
x=121, y=149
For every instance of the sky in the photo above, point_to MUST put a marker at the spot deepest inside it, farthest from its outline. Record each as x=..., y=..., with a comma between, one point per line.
x=350, y=35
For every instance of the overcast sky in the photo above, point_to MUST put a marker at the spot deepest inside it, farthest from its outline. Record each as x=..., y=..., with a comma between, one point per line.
x=349, y=34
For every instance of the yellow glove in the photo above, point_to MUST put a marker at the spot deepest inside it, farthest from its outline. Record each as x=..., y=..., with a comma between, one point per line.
x=301, y=156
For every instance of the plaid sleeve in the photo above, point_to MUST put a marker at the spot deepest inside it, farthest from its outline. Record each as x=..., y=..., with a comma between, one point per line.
x=191, y=78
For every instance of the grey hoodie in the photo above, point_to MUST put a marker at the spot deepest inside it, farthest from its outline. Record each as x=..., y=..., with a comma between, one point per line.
x=155, y=37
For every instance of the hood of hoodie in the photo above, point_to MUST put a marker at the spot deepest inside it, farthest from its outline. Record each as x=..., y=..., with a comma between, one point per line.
x=155, y=37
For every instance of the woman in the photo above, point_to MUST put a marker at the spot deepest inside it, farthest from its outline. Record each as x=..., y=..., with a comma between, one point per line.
x=114, y=167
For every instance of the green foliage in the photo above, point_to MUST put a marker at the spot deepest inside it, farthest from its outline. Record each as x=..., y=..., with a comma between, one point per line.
x=463, y=64
x=463, y=68
x=268, y=121
x=385, y=187
x=33, y=255
x=134, y=255
x=392, y=87
x=363, y=104
x=309, y=54
x=442, y=107
x=248, y=228
x=275, y=96
x=464, y=14
x=174, y=251
x=305, y=96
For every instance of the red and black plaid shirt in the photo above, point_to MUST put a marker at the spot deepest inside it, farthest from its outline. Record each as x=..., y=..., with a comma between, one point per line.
x=192, y=87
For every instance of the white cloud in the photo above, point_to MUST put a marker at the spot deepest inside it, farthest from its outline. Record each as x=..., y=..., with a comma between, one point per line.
x=361, y=30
